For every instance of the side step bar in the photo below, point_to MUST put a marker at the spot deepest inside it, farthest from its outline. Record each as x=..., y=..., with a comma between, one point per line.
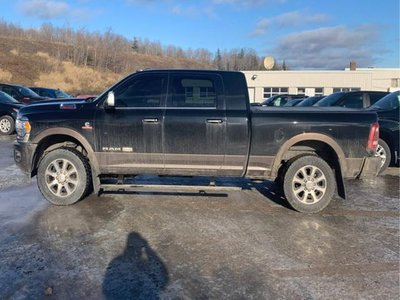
x=154, y=187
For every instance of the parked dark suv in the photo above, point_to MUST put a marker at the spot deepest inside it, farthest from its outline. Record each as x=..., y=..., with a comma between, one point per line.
x=389, y=133
x=21, y=93
x=281, y=100
x=9, y=108
x=356, y=99
x=51, y=93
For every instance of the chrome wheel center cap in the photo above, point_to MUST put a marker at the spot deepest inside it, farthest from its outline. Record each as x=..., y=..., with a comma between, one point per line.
x=310, y=185
x=61, y=178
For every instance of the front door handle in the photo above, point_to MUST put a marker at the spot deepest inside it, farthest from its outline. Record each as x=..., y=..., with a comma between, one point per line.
x=214, y=121
x=150, y=120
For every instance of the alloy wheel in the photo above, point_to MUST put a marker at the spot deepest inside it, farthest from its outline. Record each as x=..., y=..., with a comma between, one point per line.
x=61, y=177
x=5, y=125
x=309, y=184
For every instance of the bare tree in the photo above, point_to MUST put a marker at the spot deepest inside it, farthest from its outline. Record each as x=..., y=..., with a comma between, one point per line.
x=110, y=51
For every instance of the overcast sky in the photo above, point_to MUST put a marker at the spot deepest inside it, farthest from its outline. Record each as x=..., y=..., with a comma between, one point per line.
x=322, y=34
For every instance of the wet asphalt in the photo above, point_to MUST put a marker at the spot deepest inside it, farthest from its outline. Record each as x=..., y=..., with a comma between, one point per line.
x=231, y=244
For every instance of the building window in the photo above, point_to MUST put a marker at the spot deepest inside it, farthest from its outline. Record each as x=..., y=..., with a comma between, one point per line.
x=395, y=82
x=319, y=92
x=310, y=91
x=301, y=91
x=345, y=89
x=272, y=91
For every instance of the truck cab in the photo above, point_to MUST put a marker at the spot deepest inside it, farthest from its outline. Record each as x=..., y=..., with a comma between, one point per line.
x=187, y=131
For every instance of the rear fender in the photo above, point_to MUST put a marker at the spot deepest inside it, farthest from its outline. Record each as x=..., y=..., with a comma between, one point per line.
x=341, y=165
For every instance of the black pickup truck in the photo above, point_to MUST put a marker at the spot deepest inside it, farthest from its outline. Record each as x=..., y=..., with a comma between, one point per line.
x=193, y=123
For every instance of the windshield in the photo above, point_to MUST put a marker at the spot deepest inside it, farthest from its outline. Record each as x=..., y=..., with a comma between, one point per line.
x=293, y=102
x=388, y=102
x=269, y=100
x=26, y=92
x=61, y=94
x=6, y=98
x=330, y=100
x=310, y=101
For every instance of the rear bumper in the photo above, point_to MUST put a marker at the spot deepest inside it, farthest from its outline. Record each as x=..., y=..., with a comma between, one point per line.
x=370, y=167
x=23, y=156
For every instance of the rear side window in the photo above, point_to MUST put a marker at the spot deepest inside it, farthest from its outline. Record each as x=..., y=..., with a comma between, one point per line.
x=143, y=91
x=374, y=97
x=352, y=101
x=192, y=91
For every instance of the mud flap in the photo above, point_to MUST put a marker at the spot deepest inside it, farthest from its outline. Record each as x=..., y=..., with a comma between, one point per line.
x=341, y=189
x=370, y=167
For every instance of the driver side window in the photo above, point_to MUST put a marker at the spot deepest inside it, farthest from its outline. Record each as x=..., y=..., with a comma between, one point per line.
x=352, y=101
x=142, y=91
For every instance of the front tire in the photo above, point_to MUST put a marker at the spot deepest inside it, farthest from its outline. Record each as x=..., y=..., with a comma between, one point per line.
x=309, y=184
x=383, y=152
x=7, y=125
x=63, y=176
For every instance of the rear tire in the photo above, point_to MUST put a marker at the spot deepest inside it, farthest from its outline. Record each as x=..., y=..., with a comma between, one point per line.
x=7, y=125
x=309, y=184
x=383, y=151
x=63, y=176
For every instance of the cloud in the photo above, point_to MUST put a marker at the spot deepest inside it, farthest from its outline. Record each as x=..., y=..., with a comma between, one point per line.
x=289, y=19
x=55, y=9
x=198, y=8
x=192, y=11
x=245, y=2
x=43, y=9
x=179, y=10
x=330, y=47
x=144, y=2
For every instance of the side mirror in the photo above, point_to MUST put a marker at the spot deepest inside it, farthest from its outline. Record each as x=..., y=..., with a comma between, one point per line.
x=110, y=101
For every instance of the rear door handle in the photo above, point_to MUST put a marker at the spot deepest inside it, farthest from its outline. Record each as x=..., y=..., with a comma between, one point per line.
x=150, y=120
x=214, y=121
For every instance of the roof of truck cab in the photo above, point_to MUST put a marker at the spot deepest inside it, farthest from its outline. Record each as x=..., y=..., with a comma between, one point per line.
x=187, y=70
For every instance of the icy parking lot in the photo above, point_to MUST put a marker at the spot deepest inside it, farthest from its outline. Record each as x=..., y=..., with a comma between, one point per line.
x=220, y=245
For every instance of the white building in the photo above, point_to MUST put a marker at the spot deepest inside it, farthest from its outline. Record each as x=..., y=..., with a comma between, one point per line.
x=263, y=84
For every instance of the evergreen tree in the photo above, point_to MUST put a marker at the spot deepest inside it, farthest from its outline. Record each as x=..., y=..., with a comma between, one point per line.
x=218, y=60
x=284, y=66
x=135, y=45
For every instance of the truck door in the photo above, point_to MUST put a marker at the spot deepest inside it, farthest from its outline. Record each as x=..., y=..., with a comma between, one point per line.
x=129, y=136
x=194, y=124
x=238, y=131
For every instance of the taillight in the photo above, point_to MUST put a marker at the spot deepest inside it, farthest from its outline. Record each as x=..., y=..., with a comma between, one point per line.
x=373, y=137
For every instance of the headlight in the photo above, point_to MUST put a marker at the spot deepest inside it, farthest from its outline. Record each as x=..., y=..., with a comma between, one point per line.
x=22, y=126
